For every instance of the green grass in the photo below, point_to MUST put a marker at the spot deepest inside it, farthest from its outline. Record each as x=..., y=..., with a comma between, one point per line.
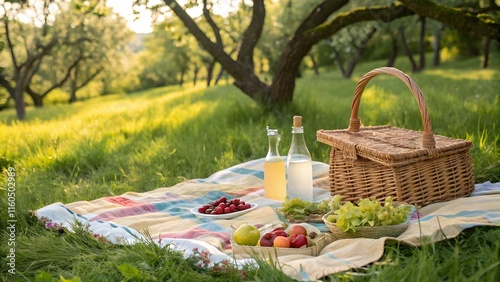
x=141, y=141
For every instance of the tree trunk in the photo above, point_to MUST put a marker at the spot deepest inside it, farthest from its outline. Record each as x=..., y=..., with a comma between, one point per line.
x=22, y=83
x=181, y=78
x=312, y=30
x=406, y=49
x=19, y=103
x=436, y=46
x=219, y=76
x=195, y=74
x=351, y=63
x=486, y=60
x=315, y=66
x=340, y=62
x=73, y=87
x=72, y=96
x=210, y=70
x=241, y=69
x=421, y=65
x=37, y=99
x=283, y=84
x=394, y=52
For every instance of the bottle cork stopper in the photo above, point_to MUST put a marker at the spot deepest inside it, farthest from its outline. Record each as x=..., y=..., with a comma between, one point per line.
x=297, y=121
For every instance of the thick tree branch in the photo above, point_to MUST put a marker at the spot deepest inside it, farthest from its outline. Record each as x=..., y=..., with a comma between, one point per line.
x=5, y=83
x=90, y=78
x=213, y=25
x=303, y=40
x=9, y=43
x=381, y=14
x=252, y=34
x=211, y=47
x=244, y=77
x=459, y=19
x=320, y=14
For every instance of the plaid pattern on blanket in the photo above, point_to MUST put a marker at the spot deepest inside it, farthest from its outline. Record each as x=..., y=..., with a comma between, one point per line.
x=164, y=214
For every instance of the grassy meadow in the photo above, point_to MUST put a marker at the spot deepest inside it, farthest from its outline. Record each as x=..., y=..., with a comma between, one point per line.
x=141, y=141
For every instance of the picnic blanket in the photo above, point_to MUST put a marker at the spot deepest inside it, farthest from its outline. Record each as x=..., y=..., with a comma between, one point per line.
x=164, y=215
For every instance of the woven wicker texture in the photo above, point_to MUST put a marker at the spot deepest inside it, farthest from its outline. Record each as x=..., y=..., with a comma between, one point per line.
x=415, y=167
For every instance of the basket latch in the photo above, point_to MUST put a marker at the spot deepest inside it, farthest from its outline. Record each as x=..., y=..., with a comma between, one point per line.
x=349, y=151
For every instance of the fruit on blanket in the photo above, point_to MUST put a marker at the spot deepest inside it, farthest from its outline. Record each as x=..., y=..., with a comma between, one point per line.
x=246, y=235
x=298, y=241
x=278, y=238
x=223, y=206
x=298, y=230
x=366, y=212
x=296, y=238
x=281, y=242
x=267, y=240
x=280, y=232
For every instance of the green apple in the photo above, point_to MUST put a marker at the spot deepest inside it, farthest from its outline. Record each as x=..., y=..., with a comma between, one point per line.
x=246, y=235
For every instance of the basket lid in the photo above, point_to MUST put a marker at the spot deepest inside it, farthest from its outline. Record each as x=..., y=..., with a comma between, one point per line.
x=390, y=146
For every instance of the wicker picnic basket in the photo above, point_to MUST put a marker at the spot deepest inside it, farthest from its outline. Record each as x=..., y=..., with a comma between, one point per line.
x=414, y=167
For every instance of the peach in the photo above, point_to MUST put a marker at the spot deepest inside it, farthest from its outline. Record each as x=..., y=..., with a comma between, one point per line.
x=298, y=230
x=281, y=242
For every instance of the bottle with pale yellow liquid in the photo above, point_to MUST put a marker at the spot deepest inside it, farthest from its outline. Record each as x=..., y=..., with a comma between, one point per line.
x=274, y=169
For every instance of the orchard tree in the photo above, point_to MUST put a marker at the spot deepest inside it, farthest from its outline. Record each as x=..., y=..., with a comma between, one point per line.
x=322, y=22
x=50, y=42
x=158, y=60
x=27, y=44
x=283, y=18
x=104, y=52
x=349, y=45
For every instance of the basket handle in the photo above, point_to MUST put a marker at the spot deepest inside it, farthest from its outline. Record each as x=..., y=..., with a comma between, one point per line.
x=428, y=140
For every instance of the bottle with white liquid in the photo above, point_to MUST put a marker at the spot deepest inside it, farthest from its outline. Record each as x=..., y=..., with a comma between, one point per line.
x=299, y=165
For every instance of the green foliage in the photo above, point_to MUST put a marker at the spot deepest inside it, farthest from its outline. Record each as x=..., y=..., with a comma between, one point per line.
x=131, y=272
x=138, y=142
x=462, y=44
x=297, y=209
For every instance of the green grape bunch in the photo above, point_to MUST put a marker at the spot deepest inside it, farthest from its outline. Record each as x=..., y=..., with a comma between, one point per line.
x=366, y=212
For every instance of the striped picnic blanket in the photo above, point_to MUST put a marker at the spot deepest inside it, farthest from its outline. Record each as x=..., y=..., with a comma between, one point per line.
x=164, y=215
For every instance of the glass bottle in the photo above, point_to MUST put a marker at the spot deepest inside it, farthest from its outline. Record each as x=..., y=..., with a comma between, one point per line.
x=274, y=169
x=299, y=165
